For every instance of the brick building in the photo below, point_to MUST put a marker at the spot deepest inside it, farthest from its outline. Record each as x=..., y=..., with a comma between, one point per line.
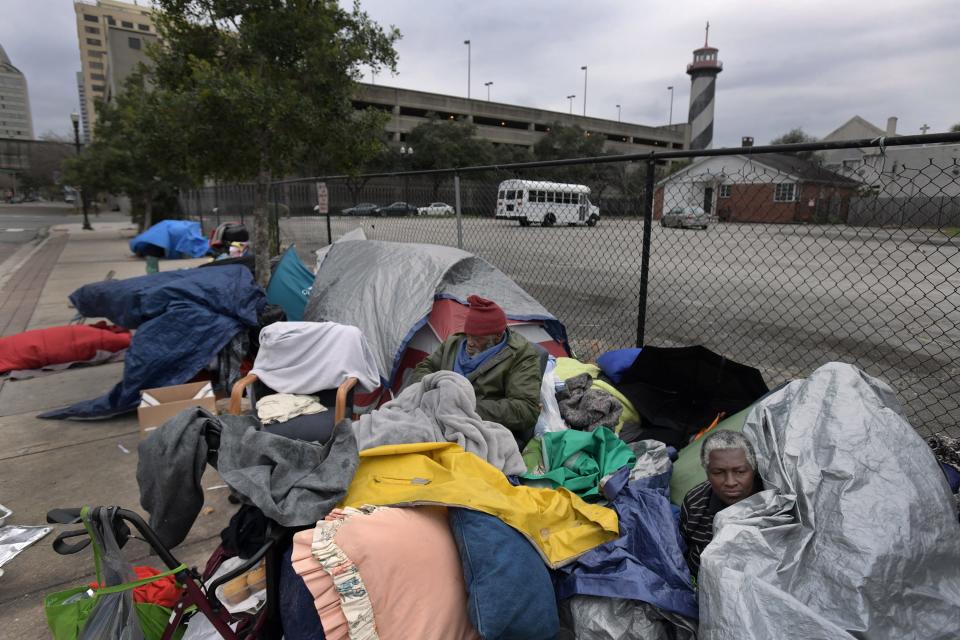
x=773, y=188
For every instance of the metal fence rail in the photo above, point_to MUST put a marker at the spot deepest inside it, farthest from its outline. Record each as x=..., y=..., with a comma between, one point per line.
x=805, y=258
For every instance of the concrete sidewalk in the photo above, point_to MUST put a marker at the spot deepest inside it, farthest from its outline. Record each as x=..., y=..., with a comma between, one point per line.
x=50, y=463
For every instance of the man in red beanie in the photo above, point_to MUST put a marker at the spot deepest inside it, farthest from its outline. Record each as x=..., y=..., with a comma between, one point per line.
x=503, y=367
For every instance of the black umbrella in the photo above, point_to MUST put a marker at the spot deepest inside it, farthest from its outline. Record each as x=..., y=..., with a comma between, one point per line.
x=679, y=391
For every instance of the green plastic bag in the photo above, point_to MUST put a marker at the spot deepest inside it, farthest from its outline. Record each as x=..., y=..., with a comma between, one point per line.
x=68, y=611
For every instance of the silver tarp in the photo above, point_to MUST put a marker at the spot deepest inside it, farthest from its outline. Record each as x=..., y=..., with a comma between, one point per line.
x=855, y=535
x=386, y=288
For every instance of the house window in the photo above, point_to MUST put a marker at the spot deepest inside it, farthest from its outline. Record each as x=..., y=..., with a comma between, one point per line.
x=94, y=30
x=95, y=54
x=94, y=42
x=90, y=18
x=143, y=27
x=97, y=76
x=128, y=25
x=723, y=191
x=785, y=192
x=111, y=21
x=134, y=43
x=96, y=65
x=97, y=87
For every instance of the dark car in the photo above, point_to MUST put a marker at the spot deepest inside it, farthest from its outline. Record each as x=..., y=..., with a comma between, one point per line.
x=362, y=209
x=398, y=209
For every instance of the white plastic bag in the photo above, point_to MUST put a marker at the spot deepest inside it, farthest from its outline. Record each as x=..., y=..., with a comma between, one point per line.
x=550, y=419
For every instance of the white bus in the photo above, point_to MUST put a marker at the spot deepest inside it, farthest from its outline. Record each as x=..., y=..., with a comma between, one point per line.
x=546, y=203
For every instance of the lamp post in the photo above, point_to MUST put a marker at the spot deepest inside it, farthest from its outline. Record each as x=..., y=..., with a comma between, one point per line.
x=570, y=98
x=584, y=69
x=467, y=42
x=405, y=152
x=75, y=117
x=618, y=113
x=670, y=121
x=487, y=85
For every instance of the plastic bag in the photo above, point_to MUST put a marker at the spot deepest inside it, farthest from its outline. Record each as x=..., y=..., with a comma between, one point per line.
x=113, y=616
x=549, y=419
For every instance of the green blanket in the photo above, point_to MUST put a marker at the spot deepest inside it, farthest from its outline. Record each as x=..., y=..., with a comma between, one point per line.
x=575, y=460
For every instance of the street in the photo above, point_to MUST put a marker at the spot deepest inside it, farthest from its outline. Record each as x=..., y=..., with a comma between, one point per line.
x=782, y=298
x=21, y=223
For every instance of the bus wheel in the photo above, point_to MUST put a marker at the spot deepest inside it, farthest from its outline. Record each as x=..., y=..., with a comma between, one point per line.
x=524, y=222
x=592, y=221
x=548, y=220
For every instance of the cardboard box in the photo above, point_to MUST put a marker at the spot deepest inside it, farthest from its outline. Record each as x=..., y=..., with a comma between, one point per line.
x=169, y=401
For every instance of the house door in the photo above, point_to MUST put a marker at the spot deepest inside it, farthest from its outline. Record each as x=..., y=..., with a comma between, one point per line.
x=708, y=200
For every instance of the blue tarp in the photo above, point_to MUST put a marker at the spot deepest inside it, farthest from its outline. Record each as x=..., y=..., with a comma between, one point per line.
x=290, y=285
x=646, y=562
x=177, y=238
x=183, y=319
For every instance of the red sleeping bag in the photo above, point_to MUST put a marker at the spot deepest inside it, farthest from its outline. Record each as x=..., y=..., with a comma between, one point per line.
x=59, y=345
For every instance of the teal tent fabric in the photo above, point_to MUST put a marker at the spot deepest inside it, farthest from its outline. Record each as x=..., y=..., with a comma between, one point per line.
x=577, y=460
x=290, y=285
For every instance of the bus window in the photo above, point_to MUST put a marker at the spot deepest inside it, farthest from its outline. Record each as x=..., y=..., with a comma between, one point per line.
x=567, y=198
x=510, y=194
x=500, y=195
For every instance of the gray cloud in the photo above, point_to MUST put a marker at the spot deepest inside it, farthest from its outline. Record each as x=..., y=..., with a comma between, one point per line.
x=811, y=64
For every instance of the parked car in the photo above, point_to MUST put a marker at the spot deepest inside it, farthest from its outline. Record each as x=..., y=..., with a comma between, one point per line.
x=436, y=209
x=686, y=218
x=362, y=209
x=398, y=209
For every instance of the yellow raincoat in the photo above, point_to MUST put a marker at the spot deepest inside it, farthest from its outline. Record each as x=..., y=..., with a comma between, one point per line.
x=560, y=525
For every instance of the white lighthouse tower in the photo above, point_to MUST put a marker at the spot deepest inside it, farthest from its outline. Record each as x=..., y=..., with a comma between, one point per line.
x=703, y=80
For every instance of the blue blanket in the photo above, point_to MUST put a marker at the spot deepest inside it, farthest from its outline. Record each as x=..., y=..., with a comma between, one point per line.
x=183, y=319
x=646, y=562
x=177, y=238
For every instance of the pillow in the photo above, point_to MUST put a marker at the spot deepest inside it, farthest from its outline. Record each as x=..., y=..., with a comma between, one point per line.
x=615, y=363
x=509, y=592
x=687, y=472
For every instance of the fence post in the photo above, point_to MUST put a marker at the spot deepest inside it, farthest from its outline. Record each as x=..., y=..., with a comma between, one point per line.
x=645, y=255
x=456, y=195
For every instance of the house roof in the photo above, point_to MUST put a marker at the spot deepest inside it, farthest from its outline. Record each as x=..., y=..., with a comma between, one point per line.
x=803, y=169
x=799, y=168
x=855, y=121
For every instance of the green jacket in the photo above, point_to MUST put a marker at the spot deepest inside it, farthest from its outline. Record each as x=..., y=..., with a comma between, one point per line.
x=507, y=385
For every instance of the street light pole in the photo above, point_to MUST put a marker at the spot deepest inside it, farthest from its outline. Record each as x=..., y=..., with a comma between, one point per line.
x=75, y=117
x=570, y=98
x=670, y=89
x=618, y=113
x=487, y=85
x=467, y=42
x=584, y=69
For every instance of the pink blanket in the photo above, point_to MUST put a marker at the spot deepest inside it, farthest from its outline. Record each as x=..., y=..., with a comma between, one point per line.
x=385, y=572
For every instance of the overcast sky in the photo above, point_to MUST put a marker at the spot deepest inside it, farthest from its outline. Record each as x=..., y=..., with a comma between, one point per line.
x=811, y=64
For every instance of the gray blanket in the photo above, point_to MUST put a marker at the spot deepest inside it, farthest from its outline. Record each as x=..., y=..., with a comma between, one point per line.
x=440, y=408
x=585, y=408
x=294, y=483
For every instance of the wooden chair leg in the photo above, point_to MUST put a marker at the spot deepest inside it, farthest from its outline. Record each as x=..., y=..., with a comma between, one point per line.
x=342, y=392
x=236, y=394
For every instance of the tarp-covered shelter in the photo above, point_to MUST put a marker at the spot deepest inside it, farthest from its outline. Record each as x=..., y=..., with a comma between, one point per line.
x=407, y=298
x=171, y=239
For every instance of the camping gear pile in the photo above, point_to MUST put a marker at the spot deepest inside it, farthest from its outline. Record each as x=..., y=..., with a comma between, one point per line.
x=363, y=498
x=171, y=239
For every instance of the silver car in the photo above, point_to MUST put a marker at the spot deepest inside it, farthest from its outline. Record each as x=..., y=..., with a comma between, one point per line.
x=686, y=218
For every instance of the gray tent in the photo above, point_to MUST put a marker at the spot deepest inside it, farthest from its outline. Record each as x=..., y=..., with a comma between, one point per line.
x=856, y=534
x=388, y=290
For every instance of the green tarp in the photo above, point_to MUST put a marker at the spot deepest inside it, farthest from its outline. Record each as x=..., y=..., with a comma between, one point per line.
x=576, y=460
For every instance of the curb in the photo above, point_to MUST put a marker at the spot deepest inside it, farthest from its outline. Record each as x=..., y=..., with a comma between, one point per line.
x=22, y=255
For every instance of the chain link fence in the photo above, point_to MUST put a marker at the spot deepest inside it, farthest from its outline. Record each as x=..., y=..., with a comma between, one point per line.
x=781, y=258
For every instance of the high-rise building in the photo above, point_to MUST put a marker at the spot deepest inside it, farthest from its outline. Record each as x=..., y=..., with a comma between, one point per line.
x=703, y=83
x=113, y=38
x=15, y=119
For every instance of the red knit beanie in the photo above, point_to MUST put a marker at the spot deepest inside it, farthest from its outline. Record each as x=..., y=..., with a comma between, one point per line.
x=484, y=318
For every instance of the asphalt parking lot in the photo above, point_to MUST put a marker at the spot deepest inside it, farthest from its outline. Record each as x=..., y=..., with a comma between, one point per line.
x=783, y=298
